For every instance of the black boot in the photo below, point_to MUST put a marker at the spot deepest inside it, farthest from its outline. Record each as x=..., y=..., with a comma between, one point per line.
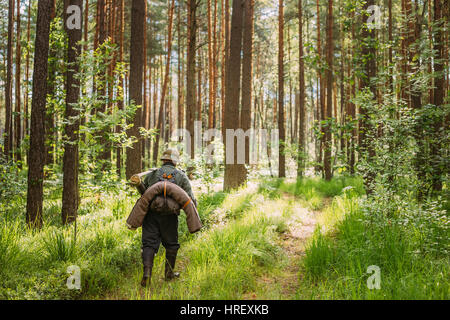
x=148, y=254
x=171, y=257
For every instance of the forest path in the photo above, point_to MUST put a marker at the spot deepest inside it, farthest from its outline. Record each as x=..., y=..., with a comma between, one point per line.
x=283, y=282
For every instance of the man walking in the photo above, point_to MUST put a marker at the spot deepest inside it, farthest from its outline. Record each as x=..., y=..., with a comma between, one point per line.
x=162, y=228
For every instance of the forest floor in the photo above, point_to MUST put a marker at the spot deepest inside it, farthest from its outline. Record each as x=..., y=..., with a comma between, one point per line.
x=272, y=239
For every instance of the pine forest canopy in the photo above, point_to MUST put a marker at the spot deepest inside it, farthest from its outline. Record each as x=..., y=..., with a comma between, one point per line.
x=96, y=90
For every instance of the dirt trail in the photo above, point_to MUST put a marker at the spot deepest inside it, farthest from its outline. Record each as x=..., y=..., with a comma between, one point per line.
x=300, y=227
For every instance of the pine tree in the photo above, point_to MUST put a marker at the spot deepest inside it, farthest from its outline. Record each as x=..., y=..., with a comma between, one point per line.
x=35, y=159
x=232, y=94
x=70, y=196
x=133, y=160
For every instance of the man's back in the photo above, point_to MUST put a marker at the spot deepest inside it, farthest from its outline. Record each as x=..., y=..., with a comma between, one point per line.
x=180, y=178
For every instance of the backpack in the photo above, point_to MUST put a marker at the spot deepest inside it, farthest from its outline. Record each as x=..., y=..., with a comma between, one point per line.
x=163, y=204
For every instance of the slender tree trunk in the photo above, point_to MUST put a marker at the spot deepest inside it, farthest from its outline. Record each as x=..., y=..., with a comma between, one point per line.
x=301, y=96
x=438, y=98
x=121, y=81
x=8, y=144
x=198, y=113
x=27, y=72
x=321, y=90
x=50, y=131
x=391, y=81
x=161, y=123
x=226, y=55
x=70, y=196
x=210, y=70
x=281, y=122
x=289, y=125
x=351, y=105
x=342, y=118
x=232, y=94
x=180, y=107
x=35, y=159
x=247, y=74
x=104, y=155
x=133, y=160
x=329, y=104
x=145, y=110
x=190, y=72
x=215, y=59
x=17, y=120
x=369, y=67
x=86, y=25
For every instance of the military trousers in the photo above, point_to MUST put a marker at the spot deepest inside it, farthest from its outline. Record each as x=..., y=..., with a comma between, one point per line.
x=160, y=228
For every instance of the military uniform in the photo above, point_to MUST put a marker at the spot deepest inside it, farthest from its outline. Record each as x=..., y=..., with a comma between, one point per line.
x=162, y=228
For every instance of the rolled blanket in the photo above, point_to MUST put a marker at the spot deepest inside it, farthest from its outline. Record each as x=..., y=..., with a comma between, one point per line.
x=136, y=181
x=140, y=209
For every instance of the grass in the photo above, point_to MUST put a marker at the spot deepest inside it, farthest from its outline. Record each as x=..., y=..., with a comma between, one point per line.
x=239, y=246
x=34, y=263
x=336, y=262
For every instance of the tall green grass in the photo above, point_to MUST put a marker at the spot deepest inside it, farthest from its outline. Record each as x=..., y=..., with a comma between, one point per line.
x=336, y=262
x=33, y=263
x=58, y=247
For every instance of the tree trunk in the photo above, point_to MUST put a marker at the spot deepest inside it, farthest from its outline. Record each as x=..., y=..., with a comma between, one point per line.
x=50, y=131
x=145, y=110
x=104, y=156
x=8, y=144
x=247, y=65
x=27, y=72
x=301, y=97
x=391, y=81
x=161, y=123
x=320, y=91
x=70, y=196
x=121, y=82
x=329, y=105
x=282, y=132
x=210, y=70
x=133, y=160
x=180, y=108
x=226, y=55
x=369, y=68
x=17, y=120
x=190, y=72
x=438, y=99
x=215, y=58
x=351, y=106
x=232, y=94
x=35, y=159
